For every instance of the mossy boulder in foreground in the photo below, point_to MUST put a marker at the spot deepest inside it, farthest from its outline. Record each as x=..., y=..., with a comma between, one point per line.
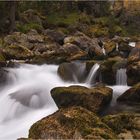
x=93, y=99
x=71, y=123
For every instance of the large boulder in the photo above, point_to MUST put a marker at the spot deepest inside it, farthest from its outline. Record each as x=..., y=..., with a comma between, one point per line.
x=133, y=73
x=93, y=99
x=71, y=123
x=125, y=125
x=85, y=43
x=55, y=35
x=108, y=70
x=131, y=96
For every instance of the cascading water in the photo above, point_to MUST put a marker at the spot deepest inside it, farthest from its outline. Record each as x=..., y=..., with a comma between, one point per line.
x=121, y=77
x=132, y=44
x=92, y=74
x=26, y=98
x=121, y=85
x=103, y=49
x=117, y=47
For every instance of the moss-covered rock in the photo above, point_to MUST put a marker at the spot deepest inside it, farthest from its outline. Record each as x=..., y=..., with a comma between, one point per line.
x=107, y=70
x=131, y=96
x=71, y=123
x=94, y=99
x=125, y=125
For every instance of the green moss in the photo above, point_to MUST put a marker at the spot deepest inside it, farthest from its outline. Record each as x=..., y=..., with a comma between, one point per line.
x=2, y=58
x=61, y=20
x=84, y=18
x=98, y=31
x=27, y=27
x=103, y=21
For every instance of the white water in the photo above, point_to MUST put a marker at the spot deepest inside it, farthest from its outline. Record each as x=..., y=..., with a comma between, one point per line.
x=92, y=74
x=26, y=98
x=103, y=49
x=121, y=77
x=117, y=47
x=132, y=44
x=121, y=85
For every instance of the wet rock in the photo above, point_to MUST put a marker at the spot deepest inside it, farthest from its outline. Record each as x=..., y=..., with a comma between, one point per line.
x=72, y=71
x=71, y=123
x=93, y=99
x=108, y=71
x=125, y=125
x=131, y=96
x=89, y=64
x=3, y=76
x=85, y=43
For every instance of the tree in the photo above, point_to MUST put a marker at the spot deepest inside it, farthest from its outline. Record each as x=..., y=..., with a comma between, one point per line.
x=12, y=15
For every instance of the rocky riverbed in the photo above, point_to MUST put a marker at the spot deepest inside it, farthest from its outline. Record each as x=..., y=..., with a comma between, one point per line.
x=68, y=80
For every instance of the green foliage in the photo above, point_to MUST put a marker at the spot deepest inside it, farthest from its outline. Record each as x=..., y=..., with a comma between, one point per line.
x=98, y=31
x=84, y=18
x=61, y=19
x=27, y=27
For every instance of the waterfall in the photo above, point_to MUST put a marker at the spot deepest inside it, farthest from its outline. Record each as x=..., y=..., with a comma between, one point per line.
x=92, y=74
x=26, y=98
x=132, y=44
x=103, y=49
x=117, y=47
x=121, y=77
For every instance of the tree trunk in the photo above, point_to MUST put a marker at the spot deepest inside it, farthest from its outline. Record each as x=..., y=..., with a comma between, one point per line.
x=12, y=15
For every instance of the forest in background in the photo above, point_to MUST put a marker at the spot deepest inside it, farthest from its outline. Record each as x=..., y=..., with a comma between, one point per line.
x=94, y=18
